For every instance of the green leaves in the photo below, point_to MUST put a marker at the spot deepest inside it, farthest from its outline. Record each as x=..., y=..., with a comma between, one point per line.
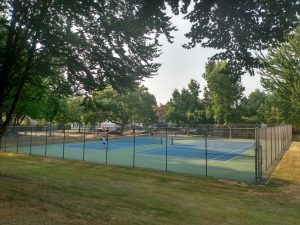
x=224, y=89
x=91, y=44
x=131, y=106
x=185, y=106
x=238, y=28
x=281, y=76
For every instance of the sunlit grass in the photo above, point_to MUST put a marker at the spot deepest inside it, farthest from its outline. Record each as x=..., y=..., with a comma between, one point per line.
x=36, y=190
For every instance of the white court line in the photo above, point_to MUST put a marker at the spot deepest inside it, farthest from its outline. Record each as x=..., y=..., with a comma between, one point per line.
x=238, y=155
x=232, y=152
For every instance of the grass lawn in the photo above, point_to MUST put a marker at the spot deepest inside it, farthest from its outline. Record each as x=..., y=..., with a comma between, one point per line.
x=36, y=190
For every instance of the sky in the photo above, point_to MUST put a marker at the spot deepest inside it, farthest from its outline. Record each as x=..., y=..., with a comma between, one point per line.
x=180, y=65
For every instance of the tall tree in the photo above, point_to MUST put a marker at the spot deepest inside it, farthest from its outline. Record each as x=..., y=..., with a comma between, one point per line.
x=281, y=76
x=225, y=91
x=90, y=43
x=207, y=106
x=185, y=106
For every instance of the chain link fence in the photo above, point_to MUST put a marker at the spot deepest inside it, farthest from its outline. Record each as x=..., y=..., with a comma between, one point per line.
x=239, y=152
x=271, y=142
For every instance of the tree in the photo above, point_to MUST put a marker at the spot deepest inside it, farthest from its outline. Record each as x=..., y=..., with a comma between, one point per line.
x=40, y=100
x=238, y=28
x=281, y=76
x=95, y=43
x=268, y=112
x=185, y=106
x=91, y=44
x=62, y=116
x=250, y=107
x=76, y=111
x=161, y=111
x=143, y=106
x=122, y=108
x=207, y=107
x=91, y=114
x=224, y=89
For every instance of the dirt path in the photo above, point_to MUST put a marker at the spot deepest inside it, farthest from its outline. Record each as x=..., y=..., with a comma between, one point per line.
x=288, y=169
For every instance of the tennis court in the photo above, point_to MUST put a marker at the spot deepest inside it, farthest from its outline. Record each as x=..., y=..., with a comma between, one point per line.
x=227, y=153
x=193, y=148
x=224, y=158
x=216, y=150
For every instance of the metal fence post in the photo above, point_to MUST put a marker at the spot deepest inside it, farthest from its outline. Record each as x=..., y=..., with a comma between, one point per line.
x=266, y=148
x=282, y=139
x=275, y=142
x=166, y=149
x=64, y=140
x=106, y=148
x=271, y=145
x=279, y=141
x=1, y=139
x=17, y=138
x=83, y=150
x=133, y=156
x=30, y=141
x=261, y=162
x=5, y=136
x=205, y=137
x=46, y=142
x=256, y=155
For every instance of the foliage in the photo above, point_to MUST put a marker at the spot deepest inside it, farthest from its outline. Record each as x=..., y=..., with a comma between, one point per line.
x=251, y=107
x=238, y=28
x=39, y=100
x=185, y=106
x=91, y=44
x=161, y=111
x=131, y=106
x=75, y=110
x=281, y=76
x=83, y=46
x=224, y=89
x=268, y=112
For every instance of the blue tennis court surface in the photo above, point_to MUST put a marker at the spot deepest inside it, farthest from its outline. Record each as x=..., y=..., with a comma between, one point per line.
x=118, y=143
x=221, y=150
x=216, y=150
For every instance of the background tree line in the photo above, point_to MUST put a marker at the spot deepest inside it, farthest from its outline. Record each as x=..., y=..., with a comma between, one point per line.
x=50, y=50
x=221, y=101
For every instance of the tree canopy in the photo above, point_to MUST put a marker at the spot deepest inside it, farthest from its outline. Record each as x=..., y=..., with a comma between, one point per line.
x=185, y=105
x=90, y=44
x=84, y=46
x=281, y=76
x=224, y=90
x=239, y=28
x=132, y=106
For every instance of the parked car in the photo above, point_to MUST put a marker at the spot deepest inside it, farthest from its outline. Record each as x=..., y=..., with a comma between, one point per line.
x=102, y=129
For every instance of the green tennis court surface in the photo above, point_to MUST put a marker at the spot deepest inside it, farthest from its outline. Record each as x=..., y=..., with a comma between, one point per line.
x=222, y=158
